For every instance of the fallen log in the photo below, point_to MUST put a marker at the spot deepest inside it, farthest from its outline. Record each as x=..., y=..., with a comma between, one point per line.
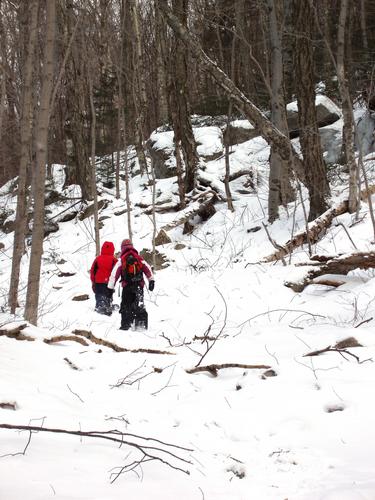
x=213, y=369
x=341, y=264
x=317, y=228
x=198, y=206
x=316, y=231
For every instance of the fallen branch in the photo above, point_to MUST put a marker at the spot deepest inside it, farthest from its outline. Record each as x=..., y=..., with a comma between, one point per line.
x=88, y=335
x=15, y=333
x=63, y=338
x=340, y=351
x=213, y=369
x=151, y=449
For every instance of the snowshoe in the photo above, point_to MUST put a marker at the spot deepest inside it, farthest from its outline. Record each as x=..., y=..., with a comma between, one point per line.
x=141, y=319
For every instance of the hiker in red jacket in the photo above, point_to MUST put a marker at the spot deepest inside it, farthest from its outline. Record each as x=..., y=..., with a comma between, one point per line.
x=131, y=268
x=100, y=272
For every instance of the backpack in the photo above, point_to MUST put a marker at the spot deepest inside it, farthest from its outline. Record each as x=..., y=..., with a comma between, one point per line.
x=131, y=269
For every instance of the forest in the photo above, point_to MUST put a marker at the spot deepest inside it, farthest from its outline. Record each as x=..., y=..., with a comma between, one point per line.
x=232, y=144
x=85, y=79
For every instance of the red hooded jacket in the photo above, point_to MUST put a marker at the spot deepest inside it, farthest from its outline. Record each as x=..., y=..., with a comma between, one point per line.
x=103, y=264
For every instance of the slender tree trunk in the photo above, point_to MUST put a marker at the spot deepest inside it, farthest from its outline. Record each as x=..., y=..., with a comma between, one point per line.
x=363, y=25
x=127, y=184
x=280, y=190
x=347, y=109
x=93, y=163
x=161, y=55
x=26, y=134
x=139, y=89
x=41, y=140
x=228, y=193
x=78, y=170
x=315, y=170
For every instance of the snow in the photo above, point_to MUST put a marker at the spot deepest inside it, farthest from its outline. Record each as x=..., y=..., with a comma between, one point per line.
x=305, y=434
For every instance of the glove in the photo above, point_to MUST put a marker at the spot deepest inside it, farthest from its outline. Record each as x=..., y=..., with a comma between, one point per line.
x=93, y=287
x=151, y=285
x=110, y=292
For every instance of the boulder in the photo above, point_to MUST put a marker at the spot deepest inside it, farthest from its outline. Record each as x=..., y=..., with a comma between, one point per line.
x=89, y=210
x=241, y=131
x=162, y=238
x=326, y=110
x=161, y=261
x=80, y=298
x=68, y=216
x=50, y=227
x=161, y=150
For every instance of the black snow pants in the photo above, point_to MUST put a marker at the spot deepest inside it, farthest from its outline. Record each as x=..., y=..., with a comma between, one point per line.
x=132, y=307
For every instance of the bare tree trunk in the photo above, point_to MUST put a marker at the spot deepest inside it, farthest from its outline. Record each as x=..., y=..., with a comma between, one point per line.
x=127, y=187
x=280, y=191
x=26, y=134
x=154, y=228
x=315, y=170
x=139, y=89
x=161, y=65
x=78, y=169
x=41, y=140
x=363, y=25
x=93, y=163
x=347, y=109
x=180, y=86
x=228, y=193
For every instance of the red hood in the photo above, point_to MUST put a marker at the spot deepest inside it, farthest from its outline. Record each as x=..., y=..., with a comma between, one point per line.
x=108, y=248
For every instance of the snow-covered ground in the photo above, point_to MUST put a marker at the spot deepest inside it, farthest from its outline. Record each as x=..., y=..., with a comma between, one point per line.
x=305, y=434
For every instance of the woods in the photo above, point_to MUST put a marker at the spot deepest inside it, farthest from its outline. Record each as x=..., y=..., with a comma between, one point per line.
x=86, y=78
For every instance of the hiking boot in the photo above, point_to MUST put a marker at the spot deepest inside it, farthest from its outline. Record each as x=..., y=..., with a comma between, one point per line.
x=125, y=327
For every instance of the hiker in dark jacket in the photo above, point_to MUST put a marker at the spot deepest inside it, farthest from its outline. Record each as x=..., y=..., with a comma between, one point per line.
x=100, y=272
x=131, y=268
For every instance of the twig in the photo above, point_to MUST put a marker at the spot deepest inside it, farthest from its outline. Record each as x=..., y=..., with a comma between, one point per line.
x=72, y=365
x=75, y=394
x=274, y=244
x=19, y=452
x=363, y=322
x=210, y=346
x=279, y=310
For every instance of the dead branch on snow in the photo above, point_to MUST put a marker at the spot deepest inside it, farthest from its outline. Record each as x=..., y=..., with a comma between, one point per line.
x=151, y=449
x=88, y=335
x=214, y=368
